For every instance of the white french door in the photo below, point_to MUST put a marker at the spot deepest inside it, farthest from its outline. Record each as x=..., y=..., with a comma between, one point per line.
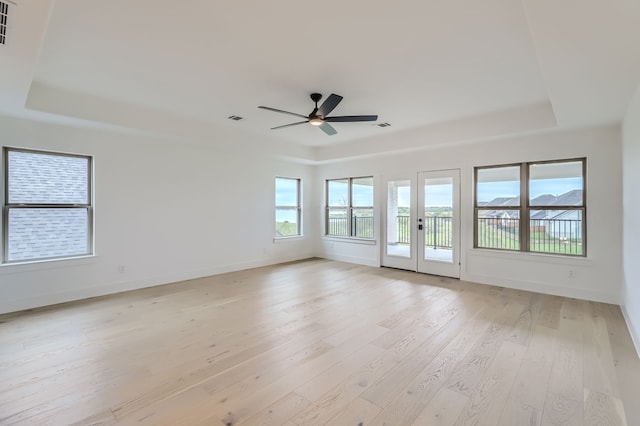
x=422, y=222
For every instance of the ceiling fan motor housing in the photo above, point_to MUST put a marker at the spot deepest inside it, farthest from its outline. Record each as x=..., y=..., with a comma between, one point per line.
x=315, y=97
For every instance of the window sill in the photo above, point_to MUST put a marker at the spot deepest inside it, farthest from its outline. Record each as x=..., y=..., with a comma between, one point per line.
x=40, y=265
x=353, y=240
x=530, y=256
x=288, y=239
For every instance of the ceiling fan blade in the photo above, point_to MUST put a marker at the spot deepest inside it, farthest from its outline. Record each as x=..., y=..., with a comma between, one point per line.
x=283, y=112
x=289, y=125
x=348, y=118
x=328, y=129
x=327, y=106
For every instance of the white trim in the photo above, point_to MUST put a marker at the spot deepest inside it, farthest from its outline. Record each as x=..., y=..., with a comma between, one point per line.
x=288, y=239
x=530, y=256
x=354, y=240
x=540, y=287
x=44, y=264
x=7, y=306
x=352, y=259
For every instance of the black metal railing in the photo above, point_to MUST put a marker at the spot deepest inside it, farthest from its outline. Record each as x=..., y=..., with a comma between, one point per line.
x=404, y=230
x=500, y=233
x=545, y=235
x=361, y=226
x=337, y=226
x=555, y=236
x=437, y=231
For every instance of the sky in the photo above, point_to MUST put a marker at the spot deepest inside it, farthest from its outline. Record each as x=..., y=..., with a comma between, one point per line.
x=286, y=192
x=491, y=190
x=286, y=195
x=440, y=195
x=362, y=195
x=436, y=195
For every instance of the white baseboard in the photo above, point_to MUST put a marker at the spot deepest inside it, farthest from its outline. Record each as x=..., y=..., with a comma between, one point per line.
x=634, y=332
x=351, y=259
x=544, y=288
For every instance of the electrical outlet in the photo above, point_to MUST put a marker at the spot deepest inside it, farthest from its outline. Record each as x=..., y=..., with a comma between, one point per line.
x=122, y=268
x=572, y=273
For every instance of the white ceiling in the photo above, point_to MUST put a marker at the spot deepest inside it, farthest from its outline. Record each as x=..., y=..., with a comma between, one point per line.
x=446, y=67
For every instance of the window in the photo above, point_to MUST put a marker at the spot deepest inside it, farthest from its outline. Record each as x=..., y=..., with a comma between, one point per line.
x=535, y=207
x=349, y=209
x=288, y=211
x=47, y=211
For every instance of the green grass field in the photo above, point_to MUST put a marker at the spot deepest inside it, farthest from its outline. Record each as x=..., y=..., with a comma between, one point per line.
x=543, y=243
x=286, y=229
x=490, y=236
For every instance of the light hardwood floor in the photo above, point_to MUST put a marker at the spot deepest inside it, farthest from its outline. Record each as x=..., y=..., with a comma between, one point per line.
x=320, y=342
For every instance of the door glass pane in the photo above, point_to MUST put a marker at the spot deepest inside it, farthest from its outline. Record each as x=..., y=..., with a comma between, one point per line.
x=398, y=218
x=438, y=217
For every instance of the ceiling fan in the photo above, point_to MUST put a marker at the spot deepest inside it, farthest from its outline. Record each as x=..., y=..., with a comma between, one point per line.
x=319, y=115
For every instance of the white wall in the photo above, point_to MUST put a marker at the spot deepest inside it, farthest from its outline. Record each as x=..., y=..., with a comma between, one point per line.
x=169, y=214
x=630, y=299
x=596, y=277
x=165, y=211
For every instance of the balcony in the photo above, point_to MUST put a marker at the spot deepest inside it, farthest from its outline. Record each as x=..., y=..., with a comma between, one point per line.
x=561, y=236
x=437, y=238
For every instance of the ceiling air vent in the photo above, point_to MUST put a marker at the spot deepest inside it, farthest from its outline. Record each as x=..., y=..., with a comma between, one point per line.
x=4, y=22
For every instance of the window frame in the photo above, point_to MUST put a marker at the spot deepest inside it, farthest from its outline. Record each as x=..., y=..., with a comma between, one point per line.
x=349, y=208
x=525, y=208
x=7, y=207
x=297, y=208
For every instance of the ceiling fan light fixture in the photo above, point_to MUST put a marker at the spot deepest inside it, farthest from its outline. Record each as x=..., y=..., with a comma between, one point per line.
x=316, y=121
x=320, y=117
